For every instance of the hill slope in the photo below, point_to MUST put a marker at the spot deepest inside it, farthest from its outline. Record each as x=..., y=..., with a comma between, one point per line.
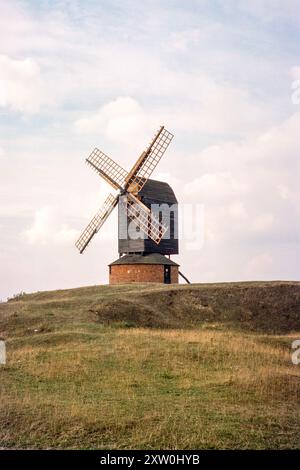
x=151, y=366
x=262, y=306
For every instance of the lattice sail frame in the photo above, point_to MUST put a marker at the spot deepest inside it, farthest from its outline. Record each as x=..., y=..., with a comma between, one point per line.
x=107, y=168
x=96, y=222
x=143, y=218
x=131, y=184
x=148, y=161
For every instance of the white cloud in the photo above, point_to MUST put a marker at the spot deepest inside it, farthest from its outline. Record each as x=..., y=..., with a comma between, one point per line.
x=288, y=194
x=39, y=232
x=21, y=85
x=47, y=228
x=124, y=119
x=66, y=235
x=237, y=211
x=182, y=40
x=270, y=10
x=263, y=222
x=120, y=120
x=210, y=186
x=81, y=64
x=248, y=188
x=295, y=72
x=217, y=99
x=208, y=79
x=259, y=267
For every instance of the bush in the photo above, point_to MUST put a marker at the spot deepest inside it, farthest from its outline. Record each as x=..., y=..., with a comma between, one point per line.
x=15, y=297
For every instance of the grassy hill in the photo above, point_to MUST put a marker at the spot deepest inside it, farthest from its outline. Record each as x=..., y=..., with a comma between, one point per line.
x=152, y=366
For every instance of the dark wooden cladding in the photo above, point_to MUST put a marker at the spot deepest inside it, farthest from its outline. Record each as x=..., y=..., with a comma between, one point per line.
x=153, y=192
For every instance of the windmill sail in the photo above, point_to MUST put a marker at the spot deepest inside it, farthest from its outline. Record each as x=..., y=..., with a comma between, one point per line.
x=113, y=173
x=143, y=218
x=147, y=162
x=129, y=184
x=96, y=222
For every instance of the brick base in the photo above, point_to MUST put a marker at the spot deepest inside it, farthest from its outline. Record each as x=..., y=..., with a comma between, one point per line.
x=126, y=273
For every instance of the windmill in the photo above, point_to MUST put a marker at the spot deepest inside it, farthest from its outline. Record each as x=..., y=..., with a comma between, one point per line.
x=142, y=258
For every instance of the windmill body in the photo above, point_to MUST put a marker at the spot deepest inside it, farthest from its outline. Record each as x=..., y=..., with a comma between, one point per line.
x=147, y=216
x=154, y=193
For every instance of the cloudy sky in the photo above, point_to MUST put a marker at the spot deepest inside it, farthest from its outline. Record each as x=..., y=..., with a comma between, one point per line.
x=79, y=74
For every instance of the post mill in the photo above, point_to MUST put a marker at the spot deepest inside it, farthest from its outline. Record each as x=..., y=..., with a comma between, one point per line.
x=147, y=217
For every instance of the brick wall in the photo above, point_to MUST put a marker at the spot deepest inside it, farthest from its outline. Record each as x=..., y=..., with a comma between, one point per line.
x=174, y=274
x=123, y=273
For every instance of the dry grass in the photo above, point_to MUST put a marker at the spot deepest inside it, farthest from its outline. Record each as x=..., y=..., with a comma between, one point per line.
x=129, y=388
x=89, y=385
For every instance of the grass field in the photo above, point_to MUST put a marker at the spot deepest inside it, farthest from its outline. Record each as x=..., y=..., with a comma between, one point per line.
x=200, y=366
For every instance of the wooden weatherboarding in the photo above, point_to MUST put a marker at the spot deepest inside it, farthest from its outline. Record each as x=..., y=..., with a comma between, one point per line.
x=141, y=257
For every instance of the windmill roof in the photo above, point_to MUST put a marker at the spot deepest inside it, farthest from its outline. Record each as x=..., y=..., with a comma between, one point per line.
x=149, y=258
x=158, y=191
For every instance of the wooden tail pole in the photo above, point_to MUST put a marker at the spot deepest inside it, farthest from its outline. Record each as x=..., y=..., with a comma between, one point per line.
x=183, y=276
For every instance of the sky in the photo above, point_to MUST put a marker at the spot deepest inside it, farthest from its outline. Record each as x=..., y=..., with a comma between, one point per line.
x=224, y=77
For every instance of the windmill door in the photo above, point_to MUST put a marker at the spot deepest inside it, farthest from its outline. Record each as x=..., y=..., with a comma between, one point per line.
x=167, y=274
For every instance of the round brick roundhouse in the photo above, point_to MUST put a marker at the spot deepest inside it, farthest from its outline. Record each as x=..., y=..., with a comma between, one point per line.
x=151, y=267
